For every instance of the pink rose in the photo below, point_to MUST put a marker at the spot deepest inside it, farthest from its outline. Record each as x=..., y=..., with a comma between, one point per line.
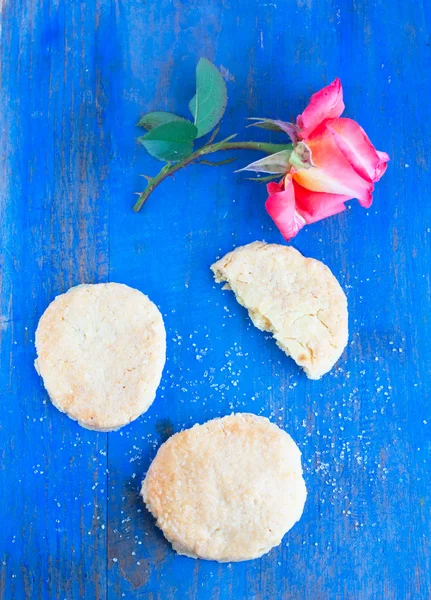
x=342, y=164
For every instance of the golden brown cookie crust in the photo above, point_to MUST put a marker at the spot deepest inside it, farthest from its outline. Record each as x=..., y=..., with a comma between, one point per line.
x=227, y=490
x=100, y=351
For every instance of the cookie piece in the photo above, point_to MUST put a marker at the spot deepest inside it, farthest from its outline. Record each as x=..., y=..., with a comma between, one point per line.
x=100, y=352
x=295, y=298
x=227, y=490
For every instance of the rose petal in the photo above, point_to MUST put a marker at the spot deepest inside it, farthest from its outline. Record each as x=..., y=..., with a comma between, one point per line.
x=383, y=164
x=384, y=157
x=281, y=207
x=355, y=145
x=314, y=206
x=325, y=104
x=273, y=187
x=333, y=173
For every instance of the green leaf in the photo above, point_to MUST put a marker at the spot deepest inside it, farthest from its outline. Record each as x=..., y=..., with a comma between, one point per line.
x=209, y=103
x=156, y=118
x=263, y=123
x=213, y=135
x=274, y=163
x=264, y=179
x=192, y=107
x=218, y=163
x=276, y=125
x=220, y=144
x=171, y=141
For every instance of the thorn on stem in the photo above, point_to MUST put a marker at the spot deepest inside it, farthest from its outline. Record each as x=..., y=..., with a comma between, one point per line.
x=213, y=135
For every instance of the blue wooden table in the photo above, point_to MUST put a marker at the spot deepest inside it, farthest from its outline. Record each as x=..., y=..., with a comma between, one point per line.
x=75, y=77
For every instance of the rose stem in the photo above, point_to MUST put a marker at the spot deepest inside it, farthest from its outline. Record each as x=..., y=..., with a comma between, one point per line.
x=170, y=169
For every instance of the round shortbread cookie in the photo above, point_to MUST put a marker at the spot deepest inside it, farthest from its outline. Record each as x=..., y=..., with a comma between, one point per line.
x=295, y=298
x=100, y=352
x=227, y=490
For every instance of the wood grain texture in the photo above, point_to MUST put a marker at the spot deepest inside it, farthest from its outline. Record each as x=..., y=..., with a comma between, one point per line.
x=74, y=79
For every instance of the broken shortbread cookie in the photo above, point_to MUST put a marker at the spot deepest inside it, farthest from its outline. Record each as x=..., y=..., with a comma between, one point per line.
x=295, y=298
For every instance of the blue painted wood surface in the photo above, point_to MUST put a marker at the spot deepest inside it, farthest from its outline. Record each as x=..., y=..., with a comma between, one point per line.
x=75, y=77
